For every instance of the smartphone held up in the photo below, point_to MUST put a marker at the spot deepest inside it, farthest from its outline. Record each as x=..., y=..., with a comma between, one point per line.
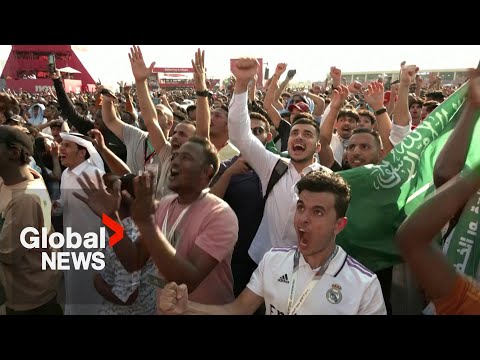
x=51, y=63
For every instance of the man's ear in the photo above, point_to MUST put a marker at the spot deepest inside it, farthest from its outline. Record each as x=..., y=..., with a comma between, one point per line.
x=209, y=171
x=340, y=225
x=269, y=137
x=14, y=153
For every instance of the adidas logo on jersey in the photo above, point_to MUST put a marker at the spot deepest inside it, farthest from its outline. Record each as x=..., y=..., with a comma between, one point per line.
x=284, y=279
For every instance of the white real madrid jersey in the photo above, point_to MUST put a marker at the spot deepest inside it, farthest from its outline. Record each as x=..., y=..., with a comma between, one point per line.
x=346, y=288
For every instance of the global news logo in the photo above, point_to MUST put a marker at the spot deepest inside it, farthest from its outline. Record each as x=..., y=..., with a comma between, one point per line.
x=66, y=260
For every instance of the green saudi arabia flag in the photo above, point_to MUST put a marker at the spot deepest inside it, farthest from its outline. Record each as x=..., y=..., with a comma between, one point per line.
x=383, y=195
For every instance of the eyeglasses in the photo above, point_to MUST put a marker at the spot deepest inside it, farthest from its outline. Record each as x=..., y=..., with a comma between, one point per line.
x=258, y=130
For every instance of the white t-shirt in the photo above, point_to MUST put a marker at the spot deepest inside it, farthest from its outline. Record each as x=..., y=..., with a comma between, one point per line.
x=346, y=288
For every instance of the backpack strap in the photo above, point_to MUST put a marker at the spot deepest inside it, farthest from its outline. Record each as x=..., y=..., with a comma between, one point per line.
x=280, y=169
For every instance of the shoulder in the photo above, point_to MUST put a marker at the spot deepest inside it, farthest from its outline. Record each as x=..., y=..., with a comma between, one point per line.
x=134, y=131
x=91, y=170
x=280, y=254
x=358, y=270
x=217, y=205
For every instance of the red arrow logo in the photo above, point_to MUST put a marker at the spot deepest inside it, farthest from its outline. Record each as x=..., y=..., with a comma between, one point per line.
x=115, y=227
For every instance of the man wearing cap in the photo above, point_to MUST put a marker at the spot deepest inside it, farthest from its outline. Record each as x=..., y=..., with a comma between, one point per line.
x=24, y=202
x=80, y=157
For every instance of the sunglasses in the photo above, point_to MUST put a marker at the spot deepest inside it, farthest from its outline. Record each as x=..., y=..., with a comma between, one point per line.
x=258, y=130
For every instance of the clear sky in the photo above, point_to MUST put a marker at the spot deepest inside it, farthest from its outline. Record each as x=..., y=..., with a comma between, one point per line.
x=312, y=62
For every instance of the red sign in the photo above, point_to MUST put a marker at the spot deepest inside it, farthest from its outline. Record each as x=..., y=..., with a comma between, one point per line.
x=175, y=70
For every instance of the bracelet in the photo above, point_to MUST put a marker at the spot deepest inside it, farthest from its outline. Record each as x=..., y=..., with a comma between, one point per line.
x=203, y=93
x=381, y=111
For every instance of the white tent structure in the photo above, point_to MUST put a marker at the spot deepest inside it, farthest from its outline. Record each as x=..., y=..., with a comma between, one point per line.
x=69, y=70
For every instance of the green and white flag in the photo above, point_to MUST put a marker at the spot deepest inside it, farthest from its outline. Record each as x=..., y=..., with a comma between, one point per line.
x=383, y=195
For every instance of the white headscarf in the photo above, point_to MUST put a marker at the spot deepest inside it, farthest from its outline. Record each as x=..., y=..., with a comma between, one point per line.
x=39, y=119
x=79, y=139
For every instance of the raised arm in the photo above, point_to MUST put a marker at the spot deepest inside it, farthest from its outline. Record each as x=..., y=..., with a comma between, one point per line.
x=255, y=154
x=81, y=122
x=127, y=91
x=326, y=129
x=270, y=96
x=319, y=103
x=402, y=113
x=110, y=118
x=392, y=101
x=281, y=88
x=430, y=267
x=374, y=96
x=452, y=157
x=114, y=163
x=203, y=108
x=149, y=113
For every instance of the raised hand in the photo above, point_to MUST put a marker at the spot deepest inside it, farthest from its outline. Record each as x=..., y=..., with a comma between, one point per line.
x=144, y=206
x=419, y=81
x=407, y=74
x=394, y=89
x=98, y=140
x=199, y=74
x=374, y=95
x=339, y=97
x=280, y=69
x=55, y=75
x=139, y=69
x=127, y=90
x=173, y=299
x=244, y=69
x=98, y=199
x=355, y=87
x=336, y=75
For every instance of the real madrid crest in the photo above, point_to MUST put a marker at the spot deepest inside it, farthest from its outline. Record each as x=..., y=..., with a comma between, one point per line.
x=334, y=295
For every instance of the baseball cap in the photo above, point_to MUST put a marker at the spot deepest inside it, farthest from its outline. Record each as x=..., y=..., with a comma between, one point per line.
x=13, y=136
x=301, y=106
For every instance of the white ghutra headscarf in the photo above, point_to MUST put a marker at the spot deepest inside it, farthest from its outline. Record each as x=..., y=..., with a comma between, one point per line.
x=79, y=139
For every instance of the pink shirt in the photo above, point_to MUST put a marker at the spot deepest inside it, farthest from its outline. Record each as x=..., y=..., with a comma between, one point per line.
x=211, y=225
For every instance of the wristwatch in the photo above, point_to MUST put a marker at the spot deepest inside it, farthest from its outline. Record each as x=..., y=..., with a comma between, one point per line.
x=203, y=93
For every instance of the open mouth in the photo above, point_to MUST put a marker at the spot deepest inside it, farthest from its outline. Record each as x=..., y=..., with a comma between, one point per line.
x=302, y=238
x=173, y=174
x=357, y=162
x=298, y=148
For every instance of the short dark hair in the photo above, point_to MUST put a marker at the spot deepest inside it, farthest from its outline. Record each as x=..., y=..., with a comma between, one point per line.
x=191, y=108
x=189, y=122
x=260, y=117
x=430, y=105
x=209, y=151
x=347, y=112
x=307, y=121
x=368, y=114
x=303, y=115
x=371, y=132
x=435, y=95
x=329, y=182
x=414, y=100
x=80, y=104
